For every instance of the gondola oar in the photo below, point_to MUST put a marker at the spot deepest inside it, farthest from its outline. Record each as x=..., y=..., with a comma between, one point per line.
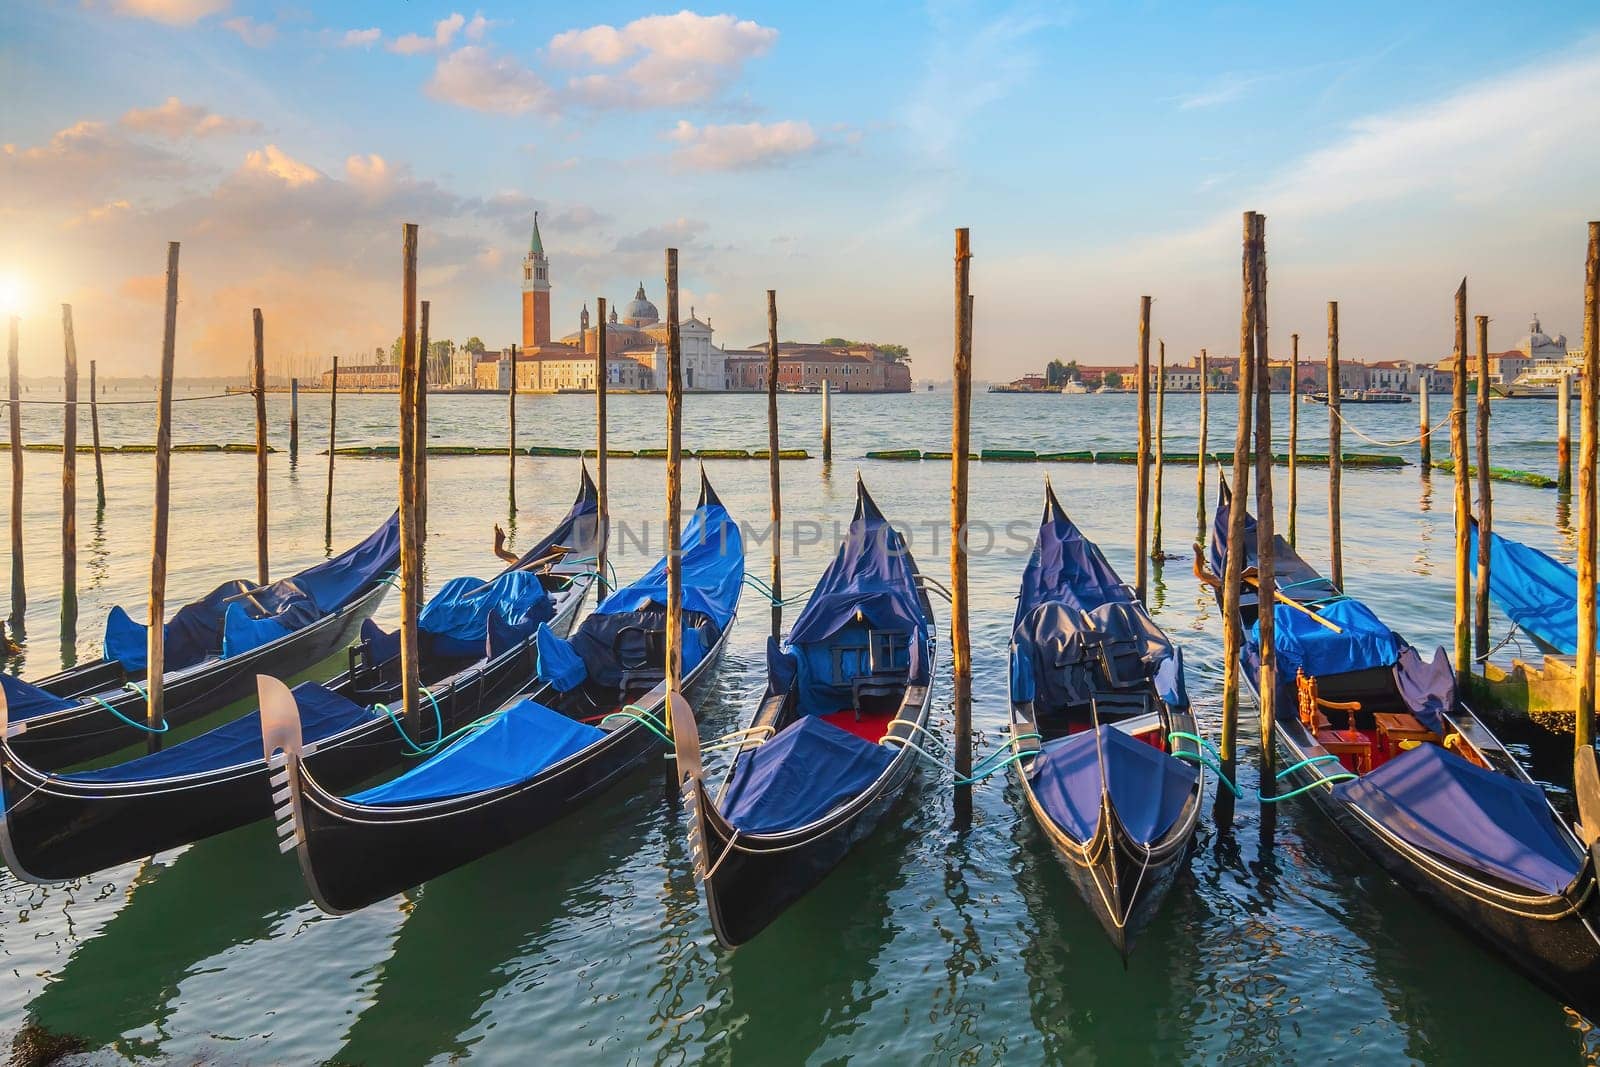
x=1211, y=580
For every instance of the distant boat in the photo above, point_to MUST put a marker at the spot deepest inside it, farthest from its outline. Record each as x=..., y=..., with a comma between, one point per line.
x=1361, y=396
x=1074, y=388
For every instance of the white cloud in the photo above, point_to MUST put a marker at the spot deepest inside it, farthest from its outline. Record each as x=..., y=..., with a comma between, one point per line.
x=742, y=146
x=661, y=60
x=253, y=33
x=172, y=12
x=361, y=38
x=475, y=78
x=273, y=163
x=444, y=31
x=1224, y=90
x=678, y=232
x=80, y=167
x=174, y=119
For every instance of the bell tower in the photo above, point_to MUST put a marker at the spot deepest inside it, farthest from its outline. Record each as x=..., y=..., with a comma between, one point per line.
x=535, y=292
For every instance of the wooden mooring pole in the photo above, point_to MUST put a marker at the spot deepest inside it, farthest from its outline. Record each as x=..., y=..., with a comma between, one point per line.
x=258, y=380
x=827, y=422
x=294, y=420
x=19, y=595
x=1588, y=447
x=155, y=647
x=1204, y=460
x=773, y=463
x=1161, y=422
x=602, y=380
x=1564, y=433
x=1294, y=432
x=1463, y=501
x=1141, y=483
x=333, y=443
x=1335, y=455
x=674, y=652
x=1425, y=444
x=420, y=453
x=94, y=430
x=1239, y=502
x=1480, y=614
x=1266, y=584
x=511, y=435
x=960, y=443
x=69, y=476
x=410, y=566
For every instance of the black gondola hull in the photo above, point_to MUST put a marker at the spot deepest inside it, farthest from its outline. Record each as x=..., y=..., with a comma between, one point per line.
x=60, y=739
x=353, y=856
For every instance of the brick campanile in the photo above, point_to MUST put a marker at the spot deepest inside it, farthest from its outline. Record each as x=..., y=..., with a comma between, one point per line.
x=535, y=292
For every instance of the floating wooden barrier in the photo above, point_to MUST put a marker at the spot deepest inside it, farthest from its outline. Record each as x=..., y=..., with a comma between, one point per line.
x=1066, y=457
x=897, y=453
x=1009, y=455
x=1501, y=474
x=720, y=453
x=611, y=453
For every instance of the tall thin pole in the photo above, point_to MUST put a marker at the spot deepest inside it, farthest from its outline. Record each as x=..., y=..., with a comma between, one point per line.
x=420, y=476
x=1161, y=421
x=511, y=435
x=674, y=654
x=333, y=444
x=94, y=429
x=69, y=475
x=1266, y=584
x=19, y=595
x=1200, y=476
x=960, y=438
x=1463, y=508
x=1588, y=446
x=1335, y=455
x=155, y=647
x=602, y=380
x=259, y=383
x=1480, y=616
x=1141, y=517
x=1239, y=502
x=827, y=421
x=772, y=462
x=1564, y=432
x=1294, y=432
x=294, y=420
x=410, y=566
x=1425, y=444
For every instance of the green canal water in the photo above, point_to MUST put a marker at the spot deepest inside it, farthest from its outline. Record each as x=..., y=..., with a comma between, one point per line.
x=1281, y=944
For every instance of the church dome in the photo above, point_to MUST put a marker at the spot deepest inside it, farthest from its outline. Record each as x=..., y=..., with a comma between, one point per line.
x=641, y=312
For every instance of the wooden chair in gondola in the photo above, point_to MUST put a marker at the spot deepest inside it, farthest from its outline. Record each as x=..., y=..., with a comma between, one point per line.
x=1347, y=742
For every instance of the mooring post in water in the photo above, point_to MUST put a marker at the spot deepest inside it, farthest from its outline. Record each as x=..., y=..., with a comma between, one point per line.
x=1200, y=476
x=69, y=473
x=19, y=596
x=1480, y=615
x=960, y=438
x=155, y=647
x=1233, y=560
x=94, y=430
x=1161, y=420
x=410, y=566
x=1425, y=437
x=511, y=434
x=333, y=444
x=258, y=383
x=1141, y=477
x=294, y=420
x=1564, y=433
x=1463, y=499
x=674, y=653
x=1335, y=456
x=420, y=471
x=1588, y=446
x=827, y=421
x=772, y=462
x=1294, y=432
x=1266, y=579
x=602, y=379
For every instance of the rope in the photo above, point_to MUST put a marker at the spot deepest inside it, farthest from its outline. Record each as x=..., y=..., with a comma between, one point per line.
x=1353, y=428
x=1504, y=641
x=146, y=727
x=766, y=590
x=640, y=715
x=118, y=403
x=442, y=739
x=1216, y=768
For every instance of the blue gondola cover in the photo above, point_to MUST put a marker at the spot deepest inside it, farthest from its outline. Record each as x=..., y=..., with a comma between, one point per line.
x=559, y=663
x=1490, y=823
x=242, y=632
x=1305, y=644
x=713, y=571
x=24, y=701
x=323, y=713
x=1427, y=686
x=1148, y=788
x=458, y=615
x=805, y=771
x=1536, y=591
x=513, y=747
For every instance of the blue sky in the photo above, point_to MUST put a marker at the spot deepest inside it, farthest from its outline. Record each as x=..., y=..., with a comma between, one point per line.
x=1098, y=152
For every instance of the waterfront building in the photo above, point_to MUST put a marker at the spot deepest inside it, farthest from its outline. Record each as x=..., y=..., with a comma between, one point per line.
x=804, y=367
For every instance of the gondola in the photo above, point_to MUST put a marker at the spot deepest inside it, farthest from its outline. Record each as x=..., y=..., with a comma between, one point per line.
x=832, y=742
x=1101, y=726
x=479, y=645
x=1385, y=745
x=1536, y=591
x=214, y=648
x=596, y=715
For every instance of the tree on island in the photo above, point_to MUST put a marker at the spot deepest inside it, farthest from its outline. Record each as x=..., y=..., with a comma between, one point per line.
x=1113, y=380
x=898, y=353
x=1055, y=374
x=474, y=345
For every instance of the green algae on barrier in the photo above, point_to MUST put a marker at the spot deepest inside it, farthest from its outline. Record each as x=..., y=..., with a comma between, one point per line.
x=1502, y=474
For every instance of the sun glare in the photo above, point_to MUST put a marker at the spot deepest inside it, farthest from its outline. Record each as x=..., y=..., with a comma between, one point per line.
x=12, y=294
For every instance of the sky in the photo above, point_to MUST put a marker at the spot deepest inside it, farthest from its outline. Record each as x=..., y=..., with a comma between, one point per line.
x=1098, y=152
